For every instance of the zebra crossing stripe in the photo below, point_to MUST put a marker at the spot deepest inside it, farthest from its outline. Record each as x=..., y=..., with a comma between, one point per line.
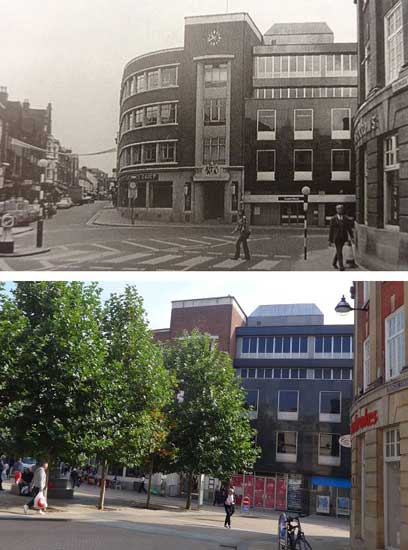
x=161, y=260
x=132, y=243
x=128, y=258
x=265, y=265
x=193, y=262
x=169, y=243
x=229, y=264
x=193, y=240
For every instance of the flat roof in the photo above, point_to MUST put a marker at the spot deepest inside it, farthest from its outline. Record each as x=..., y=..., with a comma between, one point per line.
x=284, y=29
x=208, y=302
x=224, y=18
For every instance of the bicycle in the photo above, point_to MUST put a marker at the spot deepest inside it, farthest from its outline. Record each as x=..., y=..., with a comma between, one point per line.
x=291, y=535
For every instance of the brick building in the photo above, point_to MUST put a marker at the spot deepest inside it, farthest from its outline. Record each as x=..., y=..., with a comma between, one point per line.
x=298, y=125
x=235, y=117
x=381, y=134
x=379, y=418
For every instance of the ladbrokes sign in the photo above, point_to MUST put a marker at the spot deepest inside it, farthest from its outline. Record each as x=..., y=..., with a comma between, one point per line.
x=365, y=421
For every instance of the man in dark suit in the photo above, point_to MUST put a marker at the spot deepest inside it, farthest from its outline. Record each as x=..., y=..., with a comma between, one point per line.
x=341, y=231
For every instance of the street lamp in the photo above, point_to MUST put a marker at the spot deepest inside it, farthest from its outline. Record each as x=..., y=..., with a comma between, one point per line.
x=42, y=164
x=343, y=307
x=305, y=192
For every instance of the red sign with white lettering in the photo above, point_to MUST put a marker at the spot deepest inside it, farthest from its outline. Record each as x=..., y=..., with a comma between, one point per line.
x=360, y=422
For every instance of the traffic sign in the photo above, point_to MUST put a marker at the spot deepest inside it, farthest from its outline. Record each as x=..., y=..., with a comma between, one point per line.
x=345, y=441
x=7, y=221
x=132, y=185
x=245, y=504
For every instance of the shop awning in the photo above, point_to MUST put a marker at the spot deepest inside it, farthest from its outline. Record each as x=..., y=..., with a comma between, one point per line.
x=331, y=482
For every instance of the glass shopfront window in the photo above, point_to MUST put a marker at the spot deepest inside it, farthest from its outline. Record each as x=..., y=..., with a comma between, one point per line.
x=392, y=488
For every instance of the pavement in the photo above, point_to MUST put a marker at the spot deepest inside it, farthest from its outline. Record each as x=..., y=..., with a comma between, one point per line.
x=77, y=524
x=97, y=238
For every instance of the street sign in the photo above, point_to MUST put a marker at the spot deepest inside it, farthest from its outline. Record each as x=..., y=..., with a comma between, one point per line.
x=245, y=504
x=345, y=441
x=7, y=221
x=132, y=185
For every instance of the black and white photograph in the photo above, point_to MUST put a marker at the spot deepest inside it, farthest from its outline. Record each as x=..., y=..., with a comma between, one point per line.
x=225, y=136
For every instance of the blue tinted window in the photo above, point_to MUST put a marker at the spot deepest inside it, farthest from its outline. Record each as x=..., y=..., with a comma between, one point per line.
x=245, y=345
x=269, y=345
x=260, y=373
x=278, y=345
x=285, y=373
x=327, y=374
x=261, y=345
x=251, y=373
x=319, y=344
x=302, y=374
x=346, y=344
x=337, y=344
x=277, y=373
x=286, y=344
x=252, y=345
x=268, y=373
x=327, y=344
x=294, y=373
x=295, y=344
x=346, y=374
x=318, y=374
x=244, y=373
x=336, y=374
x=303, y=344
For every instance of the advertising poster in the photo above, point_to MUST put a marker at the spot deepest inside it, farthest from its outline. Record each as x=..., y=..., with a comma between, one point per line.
x=323, y=504
x=270, y=493
x=281, y=494
x=259, y=492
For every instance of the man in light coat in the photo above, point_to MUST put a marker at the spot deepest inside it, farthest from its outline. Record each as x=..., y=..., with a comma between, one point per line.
x=38, y=484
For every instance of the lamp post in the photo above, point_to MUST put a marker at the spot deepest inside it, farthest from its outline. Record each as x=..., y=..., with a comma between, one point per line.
x=42, y=163
x=305, y=192
x=343, y=307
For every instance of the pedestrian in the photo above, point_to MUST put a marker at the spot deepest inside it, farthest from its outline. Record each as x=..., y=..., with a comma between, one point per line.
x=229, y=506
x=74, y=478
x=38, y=484
x=216, y=495
x=244, y=233
x=19, y=466
x=341, y=232
x=2, y=465
x=142, y=480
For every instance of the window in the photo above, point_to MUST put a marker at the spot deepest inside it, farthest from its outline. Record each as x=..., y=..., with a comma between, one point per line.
x=329, y=449
x=341, y=164
x=394, y=43
x=330, y=406
x=167, y=152
x=394, y=343
x=288, y=405
x=139, y=118
x=214, y=150
x=216, y=75
x=365, y=183
x=152, y=80
x=161, y=194
x=341, y=123
x=266, y=124
x=265, y=165
x=303, y=164
x=168, y=113
x=152, y=115
x=169, y=77
x=149, y=152
x=392, y=488
x=286, y=447
x=337, y=346
x=367, y=69
x=140, y=83
x=251, y=403
x=366, y=292
x=215, y=112
x=303, y=123
x=366, y=363
x=391, y=182
x=137, y=154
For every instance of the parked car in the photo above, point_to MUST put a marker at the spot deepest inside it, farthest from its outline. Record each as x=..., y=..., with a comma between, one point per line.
x=28, y=461
x=87, y=199
x=64, y=203
x=24, y=213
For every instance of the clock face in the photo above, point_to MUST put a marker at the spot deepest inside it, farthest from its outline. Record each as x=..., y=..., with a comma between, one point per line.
x=214, y=38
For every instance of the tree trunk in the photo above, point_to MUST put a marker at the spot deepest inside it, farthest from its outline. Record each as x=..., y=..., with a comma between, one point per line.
x=50, y=461
x=149, y=487
x=101, y=503
x=189, y=491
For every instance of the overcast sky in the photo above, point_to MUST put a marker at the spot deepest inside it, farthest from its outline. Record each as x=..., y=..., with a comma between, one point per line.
x=72, y=52
x=250, y=290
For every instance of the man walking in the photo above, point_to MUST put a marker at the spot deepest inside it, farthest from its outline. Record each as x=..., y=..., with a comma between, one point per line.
x=341, y=232
x=243, y=229
x=38, y=484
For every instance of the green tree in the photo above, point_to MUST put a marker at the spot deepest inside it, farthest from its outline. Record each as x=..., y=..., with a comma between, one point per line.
x=210, y=424
x=51, y=352
x=133, y=389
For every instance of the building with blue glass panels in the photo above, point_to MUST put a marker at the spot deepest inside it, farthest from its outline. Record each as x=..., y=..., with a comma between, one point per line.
x=297, y=373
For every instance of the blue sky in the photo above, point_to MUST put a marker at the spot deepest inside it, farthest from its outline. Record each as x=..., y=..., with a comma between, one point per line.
x=250, y=289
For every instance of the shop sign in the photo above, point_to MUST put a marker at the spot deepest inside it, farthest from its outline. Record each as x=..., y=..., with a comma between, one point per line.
x=145, y=177
x=290, y=198
x=323, y=504
x=365, y=127
x=345, y=441
x=360, y=422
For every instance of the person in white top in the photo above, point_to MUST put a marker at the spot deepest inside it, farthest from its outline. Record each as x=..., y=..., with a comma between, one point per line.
x=229, y=503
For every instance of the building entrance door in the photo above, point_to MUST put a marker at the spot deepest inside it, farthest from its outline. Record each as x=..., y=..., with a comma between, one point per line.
x=213, y=200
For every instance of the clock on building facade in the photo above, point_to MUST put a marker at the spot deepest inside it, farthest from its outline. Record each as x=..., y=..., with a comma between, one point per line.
x=214, y=38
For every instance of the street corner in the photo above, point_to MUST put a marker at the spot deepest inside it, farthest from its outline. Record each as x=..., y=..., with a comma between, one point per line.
x=24, y=252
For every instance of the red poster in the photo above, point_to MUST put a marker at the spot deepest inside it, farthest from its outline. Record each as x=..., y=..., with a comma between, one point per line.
x=259, y=492
x=236, y=480
x=270, y=493
x=281, y=494
x=249, y=489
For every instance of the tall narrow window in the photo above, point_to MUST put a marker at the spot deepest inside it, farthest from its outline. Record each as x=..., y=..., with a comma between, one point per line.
x=394, y=43
x=266, y=165
x=391, y=183
x=303, y=164
x=329, y=449
x=341, y=164
x=286, y=446
x=366, y=362
x=266, y=124
x=392, y=485
x=288, y=405
x=394, y=343
x=303, y=123
x=330, y=406
x=341, y=124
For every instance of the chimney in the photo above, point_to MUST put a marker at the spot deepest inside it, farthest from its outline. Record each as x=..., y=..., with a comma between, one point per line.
x=3, y=94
